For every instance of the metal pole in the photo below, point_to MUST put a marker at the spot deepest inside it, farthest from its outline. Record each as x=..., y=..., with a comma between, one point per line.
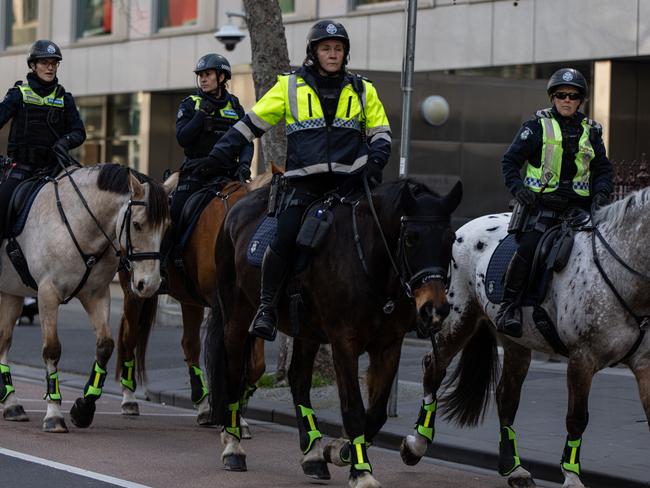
x=408, y=63
x=407, y=87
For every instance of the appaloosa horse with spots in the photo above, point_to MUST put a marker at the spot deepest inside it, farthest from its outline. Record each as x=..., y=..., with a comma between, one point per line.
x=601, y=316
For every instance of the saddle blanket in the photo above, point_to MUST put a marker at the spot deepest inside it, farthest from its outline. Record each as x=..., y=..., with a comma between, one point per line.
x=262, y=237
x=494, y=276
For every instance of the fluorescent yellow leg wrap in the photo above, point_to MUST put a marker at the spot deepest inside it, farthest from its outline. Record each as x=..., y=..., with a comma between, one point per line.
x=53, y=393
x=426, y=420
x=127, y=380
x=571, y=456
x=311, y=428
x=6, y=385
x=95, y=384
x=359, y=454
x=234, y=424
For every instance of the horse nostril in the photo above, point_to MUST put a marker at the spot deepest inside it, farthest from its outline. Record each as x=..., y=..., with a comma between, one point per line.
x=140, y=285
x=426, y=312
x=443, y=310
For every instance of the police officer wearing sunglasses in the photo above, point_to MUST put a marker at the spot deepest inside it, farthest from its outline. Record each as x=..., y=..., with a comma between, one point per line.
x=566, y=167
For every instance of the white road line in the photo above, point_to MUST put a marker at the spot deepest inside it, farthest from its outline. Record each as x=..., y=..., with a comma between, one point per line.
x=152, y=414
x=71, y=469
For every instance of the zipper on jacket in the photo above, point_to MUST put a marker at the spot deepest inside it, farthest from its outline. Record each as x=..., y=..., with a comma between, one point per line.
x=347, y=114
x=309, y=103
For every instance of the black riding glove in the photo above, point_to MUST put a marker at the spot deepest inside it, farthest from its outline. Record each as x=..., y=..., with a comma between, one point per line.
x=525, y=197
x=600, y=199
x=373, y=173
x=198, y=165
x=207, y=106
x=243, y=173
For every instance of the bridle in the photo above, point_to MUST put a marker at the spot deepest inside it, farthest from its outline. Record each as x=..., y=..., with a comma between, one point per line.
x=128, y=257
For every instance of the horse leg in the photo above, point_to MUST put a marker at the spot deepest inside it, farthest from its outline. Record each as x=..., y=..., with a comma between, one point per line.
x=10, y=308
x=233, y=455
x=191, y=342
x=300, y=372
x=126, y=345
x=48, y=307
x=345, y=354
x=516, y=360
x=255, y=370
x=384, y=359
x=641, y=371
x=580, y=372
x=97, y=307
x=434, y=364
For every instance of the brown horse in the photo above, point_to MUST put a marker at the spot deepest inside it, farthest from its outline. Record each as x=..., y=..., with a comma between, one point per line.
x=354, y=310
x=195, y=290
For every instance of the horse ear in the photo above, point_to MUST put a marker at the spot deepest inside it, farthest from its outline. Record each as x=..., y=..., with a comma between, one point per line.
x=451, y=201
x=171, y=183
x=136, y=188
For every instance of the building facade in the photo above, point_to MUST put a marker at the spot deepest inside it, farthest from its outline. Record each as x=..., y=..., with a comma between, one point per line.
x=129, y=64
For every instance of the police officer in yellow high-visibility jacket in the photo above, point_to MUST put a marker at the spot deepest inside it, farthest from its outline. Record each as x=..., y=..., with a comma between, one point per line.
x=44, y=120
x=336, y=129
x=566, y=167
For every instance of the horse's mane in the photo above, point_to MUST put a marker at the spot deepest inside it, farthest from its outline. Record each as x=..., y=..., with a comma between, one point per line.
x=115, y=178
x=615, y=213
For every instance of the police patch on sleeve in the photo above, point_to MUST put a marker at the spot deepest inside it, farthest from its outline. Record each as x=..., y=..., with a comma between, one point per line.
x=180, y=113
x=525, y=133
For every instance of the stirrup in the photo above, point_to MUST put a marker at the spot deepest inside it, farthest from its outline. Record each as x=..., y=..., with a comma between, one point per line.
x=263, y=330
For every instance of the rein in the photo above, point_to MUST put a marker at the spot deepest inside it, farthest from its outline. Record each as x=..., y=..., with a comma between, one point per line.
x=643, y=322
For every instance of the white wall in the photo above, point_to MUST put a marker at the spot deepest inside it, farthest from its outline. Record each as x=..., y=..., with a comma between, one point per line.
x=471, y=33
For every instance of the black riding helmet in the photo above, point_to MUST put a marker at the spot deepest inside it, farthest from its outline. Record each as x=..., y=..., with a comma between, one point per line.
x=216, y=62
x=323, y=30
x=43, y=49
x=567, y=76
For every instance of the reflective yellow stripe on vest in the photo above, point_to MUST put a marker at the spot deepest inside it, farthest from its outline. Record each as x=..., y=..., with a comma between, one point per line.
x=547, y=176
x=227, y=112
x=33, y=98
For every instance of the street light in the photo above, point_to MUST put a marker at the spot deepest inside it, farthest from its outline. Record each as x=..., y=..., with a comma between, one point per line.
x=230, y=35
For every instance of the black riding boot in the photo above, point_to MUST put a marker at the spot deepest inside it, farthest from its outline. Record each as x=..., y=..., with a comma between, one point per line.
x=509, y=315
x=274, y=268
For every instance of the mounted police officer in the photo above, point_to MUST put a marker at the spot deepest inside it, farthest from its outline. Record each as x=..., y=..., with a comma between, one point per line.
x=566, y=167
x=202, y=119
x=337, y=129
x=44, y=121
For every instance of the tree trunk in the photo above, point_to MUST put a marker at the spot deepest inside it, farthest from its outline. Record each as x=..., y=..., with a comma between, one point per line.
x=270, y=58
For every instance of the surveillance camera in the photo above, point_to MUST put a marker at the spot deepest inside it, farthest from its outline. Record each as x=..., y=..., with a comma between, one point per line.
x=229, y=35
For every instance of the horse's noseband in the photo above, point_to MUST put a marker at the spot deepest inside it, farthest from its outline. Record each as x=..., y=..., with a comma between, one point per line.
x=129, y=257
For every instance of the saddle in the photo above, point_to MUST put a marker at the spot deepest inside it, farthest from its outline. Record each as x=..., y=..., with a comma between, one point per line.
x=21, y=203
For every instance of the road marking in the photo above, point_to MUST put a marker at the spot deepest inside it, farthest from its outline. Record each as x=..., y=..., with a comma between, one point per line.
x=152, y=414
x=71, y=469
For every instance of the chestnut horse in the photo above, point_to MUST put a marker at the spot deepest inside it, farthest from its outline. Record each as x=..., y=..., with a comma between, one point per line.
x=195, y=290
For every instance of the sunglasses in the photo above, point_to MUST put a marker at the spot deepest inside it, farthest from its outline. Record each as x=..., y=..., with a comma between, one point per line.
x=565, y=95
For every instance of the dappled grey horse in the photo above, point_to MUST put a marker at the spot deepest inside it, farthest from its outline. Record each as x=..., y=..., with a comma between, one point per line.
x=81, y=226
x=601, y=317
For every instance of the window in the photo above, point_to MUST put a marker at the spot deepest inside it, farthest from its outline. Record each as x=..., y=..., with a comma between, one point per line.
x=287, y=6
x=177, y=13
x=22, y=21
x=95, y=17
x=112, y=129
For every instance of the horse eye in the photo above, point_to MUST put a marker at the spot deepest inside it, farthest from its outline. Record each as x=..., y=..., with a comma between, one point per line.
x=137, y=226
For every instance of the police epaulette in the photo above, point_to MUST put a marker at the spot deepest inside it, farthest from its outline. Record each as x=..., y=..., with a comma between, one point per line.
x=593, y=124
x=545, y=113
x=18, y=83
x=287, y=73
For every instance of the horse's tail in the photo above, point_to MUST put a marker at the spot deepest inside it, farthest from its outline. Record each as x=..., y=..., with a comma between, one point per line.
x=473, y=379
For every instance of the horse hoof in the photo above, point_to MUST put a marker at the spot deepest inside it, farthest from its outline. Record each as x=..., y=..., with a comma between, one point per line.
x=235, y=462
x=337, y=452
x=316, y=469
x=407, y=455
x=15, y=413
x=246, y=432
x=363, y=480
x=55, y=425
x=82, y=413
x=131, y=409
x=521, y=482
x=205, y=419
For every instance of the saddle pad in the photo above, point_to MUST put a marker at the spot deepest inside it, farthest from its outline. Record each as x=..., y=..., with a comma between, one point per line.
x=261, y=239
x=21, y=218
x=497, y=268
